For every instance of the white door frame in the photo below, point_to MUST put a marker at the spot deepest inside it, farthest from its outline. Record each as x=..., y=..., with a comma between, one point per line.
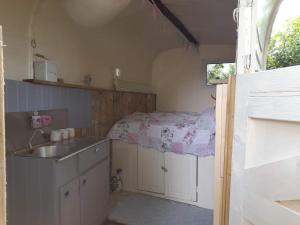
x=247, y=37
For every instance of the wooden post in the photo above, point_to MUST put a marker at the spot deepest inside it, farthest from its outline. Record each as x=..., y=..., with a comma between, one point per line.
x=228, y=147
x=2, y=140
x=223, y=152
x=221, y=107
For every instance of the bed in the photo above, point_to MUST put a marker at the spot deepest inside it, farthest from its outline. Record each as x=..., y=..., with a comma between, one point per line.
x=169, y=155
x=178, y=132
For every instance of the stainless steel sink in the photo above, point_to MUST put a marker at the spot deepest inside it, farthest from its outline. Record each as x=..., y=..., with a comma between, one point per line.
x=46, y=151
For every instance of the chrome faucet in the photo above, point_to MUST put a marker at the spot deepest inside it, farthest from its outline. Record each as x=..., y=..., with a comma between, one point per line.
x=33, y=135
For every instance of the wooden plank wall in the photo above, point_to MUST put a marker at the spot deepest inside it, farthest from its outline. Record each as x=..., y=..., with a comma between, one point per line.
x=228, y=147
x=221, y=108
x=110, y=106
x=224, y=139
x=26, y=97
x=2, y=141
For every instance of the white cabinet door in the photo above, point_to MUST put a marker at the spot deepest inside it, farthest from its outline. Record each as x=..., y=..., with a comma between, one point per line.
x=151, y=175
x=206, y=182
x=181, y=176
x=124, y=156
x=94, y=194
x=70, y=204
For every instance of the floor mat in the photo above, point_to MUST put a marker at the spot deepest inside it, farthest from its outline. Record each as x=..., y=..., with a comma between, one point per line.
x=137, y=209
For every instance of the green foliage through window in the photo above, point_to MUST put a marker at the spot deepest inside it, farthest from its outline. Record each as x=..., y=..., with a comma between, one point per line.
x=284, y=48
x=218, y=73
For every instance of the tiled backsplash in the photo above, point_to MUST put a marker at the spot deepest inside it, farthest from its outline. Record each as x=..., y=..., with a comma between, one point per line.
x=25, y=97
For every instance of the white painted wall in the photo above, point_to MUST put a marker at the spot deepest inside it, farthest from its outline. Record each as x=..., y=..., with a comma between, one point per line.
x=15, y=17
x=61, y=40
x=131, y=42
x=179, y=79
x=79, y=50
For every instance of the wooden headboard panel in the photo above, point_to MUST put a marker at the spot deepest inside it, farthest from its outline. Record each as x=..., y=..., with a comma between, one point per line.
x=110, y=106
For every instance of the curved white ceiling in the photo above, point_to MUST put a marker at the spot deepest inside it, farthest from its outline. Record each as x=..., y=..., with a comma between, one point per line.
x=94, y=12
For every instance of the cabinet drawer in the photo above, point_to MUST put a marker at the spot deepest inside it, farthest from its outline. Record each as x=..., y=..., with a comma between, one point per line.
x=93, y=155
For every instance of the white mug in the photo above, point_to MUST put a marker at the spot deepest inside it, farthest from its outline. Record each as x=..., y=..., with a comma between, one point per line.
x=64, y=133
x=55, y=136
x=71, y=132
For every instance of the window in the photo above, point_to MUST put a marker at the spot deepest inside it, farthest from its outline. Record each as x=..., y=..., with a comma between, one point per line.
x=284, y=48
x=218, y=73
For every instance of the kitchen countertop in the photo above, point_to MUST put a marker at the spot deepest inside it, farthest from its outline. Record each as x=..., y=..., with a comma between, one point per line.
x=66, y=149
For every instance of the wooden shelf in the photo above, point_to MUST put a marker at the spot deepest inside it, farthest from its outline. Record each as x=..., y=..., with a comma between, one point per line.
x=50, y=83
x=67, y=85
x=293, y=205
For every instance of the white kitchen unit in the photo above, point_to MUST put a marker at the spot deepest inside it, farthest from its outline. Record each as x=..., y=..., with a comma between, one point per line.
x=63, y=190
x=206, y=178
x=151, y=170
x=124, y=156
x=183, y=178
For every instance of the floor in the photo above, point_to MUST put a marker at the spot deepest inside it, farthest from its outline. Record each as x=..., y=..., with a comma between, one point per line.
x=137, y=209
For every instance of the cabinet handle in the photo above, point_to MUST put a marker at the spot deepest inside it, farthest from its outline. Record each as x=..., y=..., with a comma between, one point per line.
x=84, y=181
x=164, y=169
x=67, y=193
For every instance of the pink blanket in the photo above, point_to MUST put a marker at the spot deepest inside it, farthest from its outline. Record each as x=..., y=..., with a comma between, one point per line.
x=181, y=133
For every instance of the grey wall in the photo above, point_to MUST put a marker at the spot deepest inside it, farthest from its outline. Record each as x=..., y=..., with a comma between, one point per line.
x=24, y=97
x=18, y=128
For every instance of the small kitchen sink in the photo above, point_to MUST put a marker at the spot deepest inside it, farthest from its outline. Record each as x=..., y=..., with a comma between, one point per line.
x=46, y=151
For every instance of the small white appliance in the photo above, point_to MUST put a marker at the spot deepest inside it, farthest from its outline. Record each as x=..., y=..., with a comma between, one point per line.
x=45, y=70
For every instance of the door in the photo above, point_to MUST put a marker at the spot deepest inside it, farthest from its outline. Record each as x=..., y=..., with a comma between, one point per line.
x=124, y=156
x=265, y=176
x=70, y=204
x=265, y=185
x=181, y=176
x=255, y=22
x=94, y=194
x=151, y=170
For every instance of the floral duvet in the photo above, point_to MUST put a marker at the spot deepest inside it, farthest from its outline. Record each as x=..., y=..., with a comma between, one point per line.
x=178, y=132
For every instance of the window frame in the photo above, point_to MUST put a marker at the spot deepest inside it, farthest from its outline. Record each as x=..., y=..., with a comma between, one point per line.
x=205, y=62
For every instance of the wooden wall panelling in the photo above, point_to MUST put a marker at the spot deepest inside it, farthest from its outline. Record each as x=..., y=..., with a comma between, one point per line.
x=107, y=106
x=151, y=103
x=228, y=146
x=2, y=140
x=110, y=106
x=102, y=112
x=221, y=108
x=127, y=103
x=224, y=140
x=26, y=97
x=18, y=129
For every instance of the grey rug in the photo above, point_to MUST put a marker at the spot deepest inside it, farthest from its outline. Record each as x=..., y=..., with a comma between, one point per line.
x=136, y=209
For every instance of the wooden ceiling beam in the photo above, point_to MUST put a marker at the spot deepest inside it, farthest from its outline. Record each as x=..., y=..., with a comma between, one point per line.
x=175, y=21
